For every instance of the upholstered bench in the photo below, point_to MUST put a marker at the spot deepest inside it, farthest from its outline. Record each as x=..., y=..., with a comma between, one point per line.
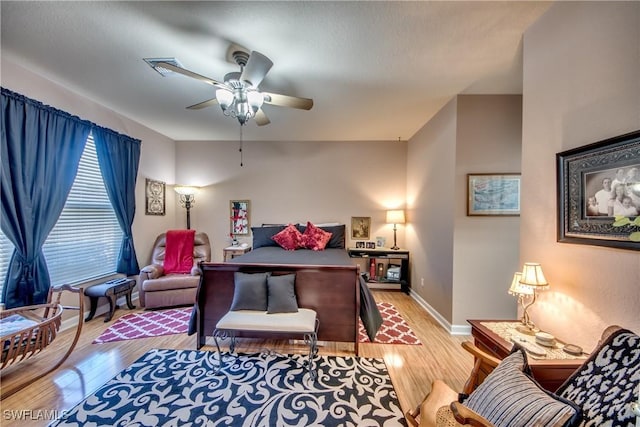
x=301, y=323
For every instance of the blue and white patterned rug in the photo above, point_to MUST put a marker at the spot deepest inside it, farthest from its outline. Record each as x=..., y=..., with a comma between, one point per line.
x=178, y=388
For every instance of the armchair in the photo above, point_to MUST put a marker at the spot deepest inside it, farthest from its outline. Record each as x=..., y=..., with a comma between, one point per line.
x=602, y=391
x=167, y=290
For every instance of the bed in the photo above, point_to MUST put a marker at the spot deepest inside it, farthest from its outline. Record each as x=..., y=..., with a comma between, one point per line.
x=327, y=281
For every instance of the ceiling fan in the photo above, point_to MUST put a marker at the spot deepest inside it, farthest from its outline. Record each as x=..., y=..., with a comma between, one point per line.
x=238, y=95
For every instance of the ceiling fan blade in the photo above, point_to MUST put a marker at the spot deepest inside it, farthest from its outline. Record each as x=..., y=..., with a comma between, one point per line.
x=191, y=74
x=257, y=67
x=203, y=104
x=288, y=101
x=261, y=118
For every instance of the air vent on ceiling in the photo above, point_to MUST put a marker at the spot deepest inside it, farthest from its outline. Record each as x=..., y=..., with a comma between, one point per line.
x=153, y=63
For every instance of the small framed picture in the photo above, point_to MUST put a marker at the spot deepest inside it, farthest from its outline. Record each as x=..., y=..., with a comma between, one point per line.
x=239, y=217
x=371, y=245
x=360, y=226
x=154, y=197
x=359, y=245
x=381, y=241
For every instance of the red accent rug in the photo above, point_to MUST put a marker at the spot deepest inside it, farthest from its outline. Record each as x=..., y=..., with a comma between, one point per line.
x=147, y=324
x=394, y=329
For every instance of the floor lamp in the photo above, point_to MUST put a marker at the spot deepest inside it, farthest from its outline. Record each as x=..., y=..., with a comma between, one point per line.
x=187, y=199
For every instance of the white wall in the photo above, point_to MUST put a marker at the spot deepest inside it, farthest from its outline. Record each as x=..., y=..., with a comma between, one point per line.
x=157, y=159
x=293, y=182
x=581, y=85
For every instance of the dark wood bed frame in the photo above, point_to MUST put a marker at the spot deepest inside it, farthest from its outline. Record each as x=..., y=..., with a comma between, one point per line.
x=332, y=291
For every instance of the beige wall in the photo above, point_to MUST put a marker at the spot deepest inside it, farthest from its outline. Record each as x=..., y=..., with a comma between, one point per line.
x=157, y=159
x=293, y=182
x=581, y=85
x=485, y=256
x=466, y=263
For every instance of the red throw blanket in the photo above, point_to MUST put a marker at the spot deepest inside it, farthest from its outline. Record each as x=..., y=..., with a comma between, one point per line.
x=178, y=257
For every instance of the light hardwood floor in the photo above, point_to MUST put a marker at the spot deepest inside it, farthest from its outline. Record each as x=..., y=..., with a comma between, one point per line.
x=411, y=367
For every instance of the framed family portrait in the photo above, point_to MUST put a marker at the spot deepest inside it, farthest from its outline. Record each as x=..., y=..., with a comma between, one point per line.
x=493, y=194
x=154, y=197
x=239, y=217
x=598, y=183
x=360, y=227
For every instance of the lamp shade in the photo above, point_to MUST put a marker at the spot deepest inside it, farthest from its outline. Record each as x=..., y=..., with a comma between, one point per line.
x=518, y=288
x=395, y=216
x=532, y=275
x=185, y=190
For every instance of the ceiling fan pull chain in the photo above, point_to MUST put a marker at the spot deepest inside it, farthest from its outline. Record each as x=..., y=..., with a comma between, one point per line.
x=240, y=149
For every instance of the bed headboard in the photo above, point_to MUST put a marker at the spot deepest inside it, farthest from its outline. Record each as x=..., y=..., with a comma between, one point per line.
x=262, y=235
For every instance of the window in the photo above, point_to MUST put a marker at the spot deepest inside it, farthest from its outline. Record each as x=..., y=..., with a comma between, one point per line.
x=85, y=242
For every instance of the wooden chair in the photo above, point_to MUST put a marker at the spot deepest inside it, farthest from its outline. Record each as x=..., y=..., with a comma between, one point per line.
x=442, y=395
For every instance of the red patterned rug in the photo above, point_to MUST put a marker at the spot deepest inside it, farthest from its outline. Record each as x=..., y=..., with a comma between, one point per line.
x=394, y=329
x=147, y=324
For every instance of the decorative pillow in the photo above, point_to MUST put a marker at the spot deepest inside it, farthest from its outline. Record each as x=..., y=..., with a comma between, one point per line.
x=315, y=238
x=281, y=294
x=250, y=291
x=337, y=234
x=606, y=384
x=508, y=397
x=262, y=236
x=289, y=238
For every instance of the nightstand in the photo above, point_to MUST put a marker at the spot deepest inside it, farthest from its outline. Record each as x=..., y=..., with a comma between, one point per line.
x=494, y=337
x=231, y=252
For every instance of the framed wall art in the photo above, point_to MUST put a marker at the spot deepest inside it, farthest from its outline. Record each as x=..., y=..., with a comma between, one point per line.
x=493, y=194
x=154, y=197
x=360, y=227
x=239, y=217
x=597, y=184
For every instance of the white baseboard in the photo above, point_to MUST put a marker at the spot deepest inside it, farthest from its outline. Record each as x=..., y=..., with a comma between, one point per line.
x=452, y=329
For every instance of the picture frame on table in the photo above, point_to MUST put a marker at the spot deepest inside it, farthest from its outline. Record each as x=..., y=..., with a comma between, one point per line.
x=239, y=215
x=370, y=245
x=493, y=194
x=584, y=177
x=360, y=227
x=155, y=197
x=359, y=245
x=381, y=241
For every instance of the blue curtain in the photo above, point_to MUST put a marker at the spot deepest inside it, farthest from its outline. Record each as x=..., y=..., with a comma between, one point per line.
x=41, y=148
x=118, y=156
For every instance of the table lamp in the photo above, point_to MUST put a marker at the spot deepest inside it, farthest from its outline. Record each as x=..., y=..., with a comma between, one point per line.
x=533, y=278
x=522, y=292
x=395, y=217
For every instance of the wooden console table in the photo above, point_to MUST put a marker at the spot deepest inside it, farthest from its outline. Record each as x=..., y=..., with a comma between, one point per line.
x=550, y=371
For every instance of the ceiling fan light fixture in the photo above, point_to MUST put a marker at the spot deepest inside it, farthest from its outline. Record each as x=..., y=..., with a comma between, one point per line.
x=255, y=99
x=225, y=98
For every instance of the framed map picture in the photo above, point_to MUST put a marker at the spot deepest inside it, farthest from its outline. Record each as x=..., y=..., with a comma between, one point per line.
x=493, y=194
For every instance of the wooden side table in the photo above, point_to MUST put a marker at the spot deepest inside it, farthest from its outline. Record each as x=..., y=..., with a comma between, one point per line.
x=493, y=336
x=231, y=252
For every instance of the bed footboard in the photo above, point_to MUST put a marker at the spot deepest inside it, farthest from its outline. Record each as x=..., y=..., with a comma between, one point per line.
x=333, y=292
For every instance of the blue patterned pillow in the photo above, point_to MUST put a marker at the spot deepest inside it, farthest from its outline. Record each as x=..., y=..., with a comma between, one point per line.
x=606, y=384
x=509, y=398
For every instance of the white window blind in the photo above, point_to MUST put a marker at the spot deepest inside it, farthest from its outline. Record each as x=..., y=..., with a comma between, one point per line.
x=85, y=242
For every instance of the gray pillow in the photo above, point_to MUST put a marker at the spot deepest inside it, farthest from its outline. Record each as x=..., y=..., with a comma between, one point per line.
x=262, y=235
x=282, y=296
x=250, y=291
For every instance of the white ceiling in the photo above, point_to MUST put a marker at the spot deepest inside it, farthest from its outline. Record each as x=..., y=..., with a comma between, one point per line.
x=375, y=70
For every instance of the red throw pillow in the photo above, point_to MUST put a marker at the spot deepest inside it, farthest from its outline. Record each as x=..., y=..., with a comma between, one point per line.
x=290, y=238
x=315, y=238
